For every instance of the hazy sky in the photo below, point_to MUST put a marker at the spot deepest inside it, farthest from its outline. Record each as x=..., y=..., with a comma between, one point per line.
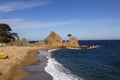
x=85, y=19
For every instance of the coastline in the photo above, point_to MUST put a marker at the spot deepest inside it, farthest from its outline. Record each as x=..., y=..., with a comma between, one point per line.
x=37, y=70
x=22, y=56
x=12, y=69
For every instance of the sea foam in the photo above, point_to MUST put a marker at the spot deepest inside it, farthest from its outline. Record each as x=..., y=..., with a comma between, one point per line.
x=94, y=46
x=58, y=71
x=52, y=50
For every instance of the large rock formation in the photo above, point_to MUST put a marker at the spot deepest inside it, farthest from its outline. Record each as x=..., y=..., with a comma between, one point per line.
x=53, y=39
x=72, y=43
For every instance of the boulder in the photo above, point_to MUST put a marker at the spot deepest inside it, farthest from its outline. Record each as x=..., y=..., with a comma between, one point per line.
x=72, y=43
x=53, y=39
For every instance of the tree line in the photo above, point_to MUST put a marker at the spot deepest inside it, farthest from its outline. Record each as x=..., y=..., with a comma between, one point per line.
x=6, y=34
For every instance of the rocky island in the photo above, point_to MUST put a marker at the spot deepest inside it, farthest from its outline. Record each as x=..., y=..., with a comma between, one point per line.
x=53, y=40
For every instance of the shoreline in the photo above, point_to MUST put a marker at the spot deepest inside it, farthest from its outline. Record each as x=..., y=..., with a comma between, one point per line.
x=37, y=70
x=15, y=72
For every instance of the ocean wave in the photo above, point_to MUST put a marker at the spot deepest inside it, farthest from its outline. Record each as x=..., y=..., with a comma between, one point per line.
x=58, y=71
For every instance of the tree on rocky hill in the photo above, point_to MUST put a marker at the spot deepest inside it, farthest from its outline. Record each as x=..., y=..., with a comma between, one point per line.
x=69, y=35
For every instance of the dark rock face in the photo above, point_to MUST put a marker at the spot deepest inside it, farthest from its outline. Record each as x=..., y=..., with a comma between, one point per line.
x=53, y=39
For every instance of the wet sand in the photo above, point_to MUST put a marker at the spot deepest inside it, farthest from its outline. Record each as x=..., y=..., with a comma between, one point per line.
x=36, y=71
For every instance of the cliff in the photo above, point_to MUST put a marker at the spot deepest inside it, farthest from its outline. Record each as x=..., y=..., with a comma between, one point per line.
x=53, y=39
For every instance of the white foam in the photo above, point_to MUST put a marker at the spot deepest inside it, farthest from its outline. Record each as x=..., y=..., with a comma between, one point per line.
x=94, y=46
x=75, y=48
x=58, y=71
x=52, y=50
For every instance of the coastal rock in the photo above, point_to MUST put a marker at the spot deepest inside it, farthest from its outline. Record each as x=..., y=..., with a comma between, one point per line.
x=72, y=43
x=53, y=39
x=23, y=42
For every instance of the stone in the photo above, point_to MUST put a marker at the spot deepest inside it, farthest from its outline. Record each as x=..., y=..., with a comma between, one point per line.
x=53, y=39
x=72, y=43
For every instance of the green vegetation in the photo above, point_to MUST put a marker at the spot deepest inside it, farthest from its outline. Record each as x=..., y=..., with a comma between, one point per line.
x=6, y=35
x=69, y=35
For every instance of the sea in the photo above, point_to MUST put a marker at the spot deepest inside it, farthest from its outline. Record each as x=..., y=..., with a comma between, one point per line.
x=100, y=62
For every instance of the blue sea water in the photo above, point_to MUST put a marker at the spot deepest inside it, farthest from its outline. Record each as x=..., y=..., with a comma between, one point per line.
x=102, y=62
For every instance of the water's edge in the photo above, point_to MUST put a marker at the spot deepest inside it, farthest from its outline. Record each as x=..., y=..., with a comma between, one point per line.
x=57, y=70
x=36, y=71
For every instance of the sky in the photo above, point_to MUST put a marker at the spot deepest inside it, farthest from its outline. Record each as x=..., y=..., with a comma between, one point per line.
x=85, y=19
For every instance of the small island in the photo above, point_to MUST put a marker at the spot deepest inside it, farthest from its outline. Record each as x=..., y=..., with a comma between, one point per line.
x=53, y=40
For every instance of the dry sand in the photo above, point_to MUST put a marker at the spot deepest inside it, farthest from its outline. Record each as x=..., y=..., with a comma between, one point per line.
x=18, y=56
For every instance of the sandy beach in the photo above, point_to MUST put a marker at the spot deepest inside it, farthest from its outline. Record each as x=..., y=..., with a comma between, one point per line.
x=10, y=69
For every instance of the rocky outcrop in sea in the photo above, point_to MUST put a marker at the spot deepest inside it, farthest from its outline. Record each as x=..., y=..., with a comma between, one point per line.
x=72, y=43
x=53, y=39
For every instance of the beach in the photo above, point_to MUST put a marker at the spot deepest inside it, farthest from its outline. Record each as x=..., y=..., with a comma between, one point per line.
x=37, y=70
x=10, y=68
